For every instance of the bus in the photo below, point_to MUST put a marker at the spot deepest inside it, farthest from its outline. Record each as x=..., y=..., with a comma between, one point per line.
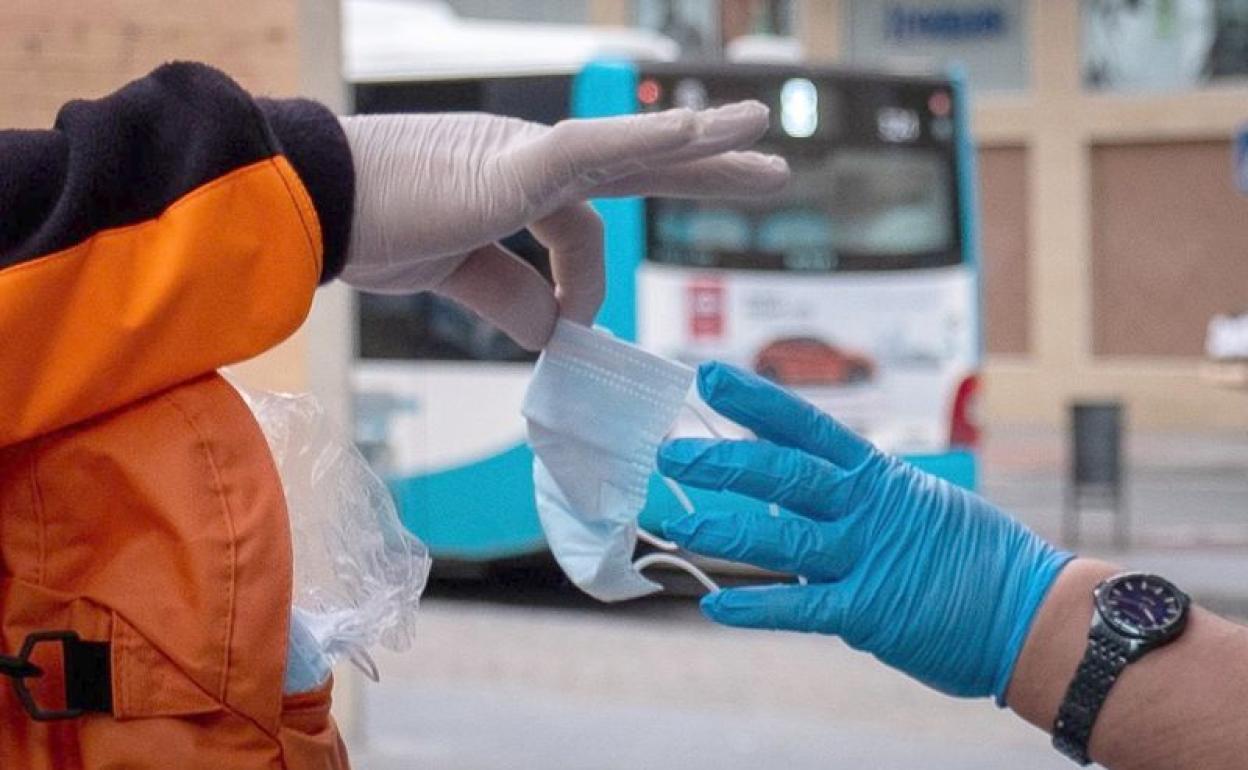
x=857, y=286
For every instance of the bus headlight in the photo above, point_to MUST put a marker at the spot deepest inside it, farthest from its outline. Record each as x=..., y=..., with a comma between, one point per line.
x=799, y=108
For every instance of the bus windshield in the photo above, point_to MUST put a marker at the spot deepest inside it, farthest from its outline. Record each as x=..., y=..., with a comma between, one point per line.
x=849, y=208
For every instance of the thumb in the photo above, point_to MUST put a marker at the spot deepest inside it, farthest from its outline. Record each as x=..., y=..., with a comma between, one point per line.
x=506, y=291
x=574, y=236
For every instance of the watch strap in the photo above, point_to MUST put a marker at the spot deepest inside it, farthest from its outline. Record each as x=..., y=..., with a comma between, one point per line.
x=1103, y=660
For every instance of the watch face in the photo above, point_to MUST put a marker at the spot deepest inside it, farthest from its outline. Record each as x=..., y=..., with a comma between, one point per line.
x=1141, y=605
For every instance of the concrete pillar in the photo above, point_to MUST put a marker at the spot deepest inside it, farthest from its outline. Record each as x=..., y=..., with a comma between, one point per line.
x=615, y=13
x=821, y=28
x=1061, y=320
x=326, y=341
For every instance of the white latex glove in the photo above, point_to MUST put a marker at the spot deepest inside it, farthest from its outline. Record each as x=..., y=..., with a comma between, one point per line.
x=435, y=192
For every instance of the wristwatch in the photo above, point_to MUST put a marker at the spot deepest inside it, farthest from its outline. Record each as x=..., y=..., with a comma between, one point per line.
x=1135, y=613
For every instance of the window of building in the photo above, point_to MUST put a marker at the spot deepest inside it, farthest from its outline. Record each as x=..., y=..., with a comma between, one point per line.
x=704, y=28
x=1158, y=45
x=987, y=37
x=1169, y=246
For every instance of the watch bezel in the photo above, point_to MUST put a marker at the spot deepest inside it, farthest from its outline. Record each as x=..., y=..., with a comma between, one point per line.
x=1111, y=619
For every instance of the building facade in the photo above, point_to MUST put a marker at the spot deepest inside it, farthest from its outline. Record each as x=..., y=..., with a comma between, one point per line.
x=1113, y=228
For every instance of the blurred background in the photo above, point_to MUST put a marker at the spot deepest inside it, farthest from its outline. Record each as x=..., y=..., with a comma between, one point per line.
x=1015, y=251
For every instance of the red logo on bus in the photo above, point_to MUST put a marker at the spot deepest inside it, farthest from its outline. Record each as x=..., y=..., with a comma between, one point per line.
x=706, y=309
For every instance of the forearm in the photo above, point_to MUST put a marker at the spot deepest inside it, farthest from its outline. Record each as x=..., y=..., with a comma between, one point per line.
x=156, y=234
x=117, y=162
x=1183, y=705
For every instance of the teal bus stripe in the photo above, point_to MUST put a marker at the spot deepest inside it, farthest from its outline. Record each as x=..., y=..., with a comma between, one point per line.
x=968, y=194
x=603, y=89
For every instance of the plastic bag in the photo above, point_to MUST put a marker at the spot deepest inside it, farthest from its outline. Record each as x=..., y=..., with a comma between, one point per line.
x=358, y=573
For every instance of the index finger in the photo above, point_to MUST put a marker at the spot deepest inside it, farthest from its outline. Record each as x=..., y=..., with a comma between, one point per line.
x=729, y=175
x=577, y=147
x=796, y=480
x=777, y=415
x=597, y=150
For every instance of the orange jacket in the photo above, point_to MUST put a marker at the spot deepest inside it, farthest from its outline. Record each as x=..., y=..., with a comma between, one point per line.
x=158, y=533
x=152, y=236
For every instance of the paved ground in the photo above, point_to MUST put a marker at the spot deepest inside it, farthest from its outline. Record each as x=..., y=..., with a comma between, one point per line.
x=1187, y=498
x=492, y=687
x=1183, y=490
x=518, y=676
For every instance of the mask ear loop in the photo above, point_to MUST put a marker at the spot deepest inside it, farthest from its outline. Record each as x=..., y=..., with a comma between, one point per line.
x=677, y=490
x=702, y=418
x=656, y=541
x=668, y=547
x=682, y=497
x=651, y=559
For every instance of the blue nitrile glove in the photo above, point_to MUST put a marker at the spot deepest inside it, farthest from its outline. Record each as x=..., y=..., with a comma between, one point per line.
x=930, y=578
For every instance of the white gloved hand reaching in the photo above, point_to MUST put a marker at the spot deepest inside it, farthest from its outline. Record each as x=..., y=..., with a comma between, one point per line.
x=434, y=192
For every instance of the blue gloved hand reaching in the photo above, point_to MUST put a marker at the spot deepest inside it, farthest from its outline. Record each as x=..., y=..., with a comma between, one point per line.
x=930, y=578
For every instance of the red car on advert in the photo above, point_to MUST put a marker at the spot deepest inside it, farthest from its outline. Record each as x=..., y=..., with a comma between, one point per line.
x=809, y=361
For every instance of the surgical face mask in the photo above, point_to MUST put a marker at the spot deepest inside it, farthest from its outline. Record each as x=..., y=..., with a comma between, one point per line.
x=597, y=409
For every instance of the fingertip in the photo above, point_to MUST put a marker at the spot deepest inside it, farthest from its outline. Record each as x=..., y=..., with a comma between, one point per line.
x=716, y=377
x=581, y=309
x=756, y=111
x=666, y=454
x=761, y=170
x=780, y=173
x=532, y=328
x=671, y=461
x=708, y=379
x=755, y=106
x=678, y=454
x=759, y=177
x=709, y=605
x=749, y=174
x=679, y=529
x=733, y=126
x=751, y=110
x=738, y=607
x=742, y=107
x=760, y=115
x=543, y=323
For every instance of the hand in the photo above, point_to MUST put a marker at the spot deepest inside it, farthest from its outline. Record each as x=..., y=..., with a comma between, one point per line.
x=435, y=192
x=930, y=578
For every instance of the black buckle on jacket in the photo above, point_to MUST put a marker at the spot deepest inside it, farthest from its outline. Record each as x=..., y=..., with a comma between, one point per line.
x=87, y=670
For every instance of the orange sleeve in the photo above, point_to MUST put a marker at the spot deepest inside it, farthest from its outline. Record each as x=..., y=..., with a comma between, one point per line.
x=156, y=234
x=224, y=273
